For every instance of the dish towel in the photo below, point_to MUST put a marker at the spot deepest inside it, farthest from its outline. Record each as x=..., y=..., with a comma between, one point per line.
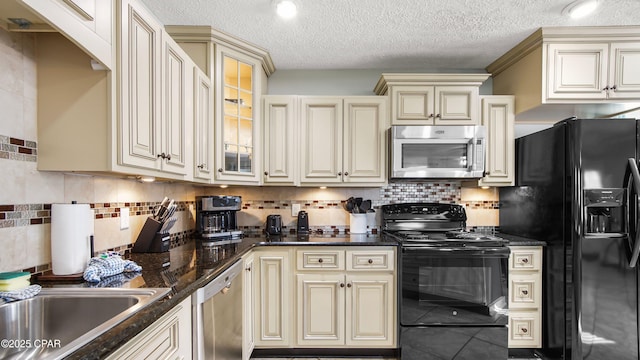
x=25, y=293
x=108, y=265
x=117, y=280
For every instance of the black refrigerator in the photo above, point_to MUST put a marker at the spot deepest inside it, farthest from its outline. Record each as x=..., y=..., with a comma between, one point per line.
x=577, y=188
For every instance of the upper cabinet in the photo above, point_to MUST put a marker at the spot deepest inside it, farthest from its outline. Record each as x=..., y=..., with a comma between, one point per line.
x=432, y=99
x=237, y=117
x=238, y=71
x=498, y=119
x=563, y=71
x=87, y=23
x=280, y=136
x=343, y=140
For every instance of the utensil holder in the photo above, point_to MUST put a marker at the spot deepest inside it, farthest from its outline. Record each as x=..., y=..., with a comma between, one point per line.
x=358, y=223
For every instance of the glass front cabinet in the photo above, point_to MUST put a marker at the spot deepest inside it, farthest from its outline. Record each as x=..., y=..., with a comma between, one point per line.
x=238, y=111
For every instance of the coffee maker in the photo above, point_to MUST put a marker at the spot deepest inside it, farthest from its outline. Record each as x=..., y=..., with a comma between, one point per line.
x=216, y=219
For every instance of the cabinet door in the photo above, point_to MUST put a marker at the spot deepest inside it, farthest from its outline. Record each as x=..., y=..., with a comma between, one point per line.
x=273, y=299
x=498, y=118
x=139, y=83
x=237, y=123
x=248, y=336
x=174, y=108
x=456, y=105
x=280, y=150
x=577, y=71
x=624, y=73
x=203, y=127
x=364, y=144
x=321, y=306
x=321, y=140
x=412, y=105
x=167, y=338
x=88, y=23
x=370, y=310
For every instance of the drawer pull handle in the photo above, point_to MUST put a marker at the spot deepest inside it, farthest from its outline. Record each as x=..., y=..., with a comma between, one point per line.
x=370, y=261
x=524, y=330
x=525, y=261
x=320, y=260
x=525, y=292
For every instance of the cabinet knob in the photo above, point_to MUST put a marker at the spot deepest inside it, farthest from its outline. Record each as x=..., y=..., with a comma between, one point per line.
x=606, y=88
x=349, y=285
x=201, y=166
x=430, y=116
x=162, y=155
x=168, y=157
x=339, y=173
x=266, y=173
x=437, y=115
x=525, y=261
x=370, y=261
x=341, y=285
x=346, y=173
x=614, y=87
x=525, y=292
x=524, y=330
x=220, y=170
x=320, y=260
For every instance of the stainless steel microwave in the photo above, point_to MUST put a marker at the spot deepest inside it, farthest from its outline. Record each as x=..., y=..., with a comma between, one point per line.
x=437, y=152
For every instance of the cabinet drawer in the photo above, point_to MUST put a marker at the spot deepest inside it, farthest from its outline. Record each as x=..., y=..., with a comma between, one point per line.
x=525, y=290
x=524, y=329
x=525, y=258
x=320, y=259
x=370, y=260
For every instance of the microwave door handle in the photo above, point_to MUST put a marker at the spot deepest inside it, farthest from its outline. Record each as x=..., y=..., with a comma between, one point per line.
x=633, y=176
x=471, y=164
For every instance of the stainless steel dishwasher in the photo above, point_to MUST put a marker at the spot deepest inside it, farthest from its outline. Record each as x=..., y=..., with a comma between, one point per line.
x=217, y=317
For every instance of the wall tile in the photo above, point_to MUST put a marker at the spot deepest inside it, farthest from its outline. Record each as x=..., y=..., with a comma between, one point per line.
x=12, y=182
x=78, y=188
x=43, y=186
x=12, y=106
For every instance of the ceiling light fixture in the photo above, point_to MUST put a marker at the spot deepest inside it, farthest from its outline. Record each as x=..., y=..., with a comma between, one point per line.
x=286, y=9
x=580, y=8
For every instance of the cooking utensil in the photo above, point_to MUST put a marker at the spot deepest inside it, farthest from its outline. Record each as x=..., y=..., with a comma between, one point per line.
x=350, y=204
x=365, y=206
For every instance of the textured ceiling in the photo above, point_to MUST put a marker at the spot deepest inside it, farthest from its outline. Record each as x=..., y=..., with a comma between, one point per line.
x=393, y=34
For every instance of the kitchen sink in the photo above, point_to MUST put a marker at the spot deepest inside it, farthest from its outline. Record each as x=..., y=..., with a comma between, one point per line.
x=58, y=321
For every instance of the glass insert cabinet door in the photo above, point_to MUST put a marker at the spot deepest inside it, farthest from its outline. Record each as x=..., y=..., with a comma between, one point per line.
x=238, y=116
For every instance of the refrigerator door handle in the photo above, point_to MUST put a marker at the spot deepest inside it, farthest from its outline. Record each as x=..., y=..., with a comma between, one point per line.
x=633, y=175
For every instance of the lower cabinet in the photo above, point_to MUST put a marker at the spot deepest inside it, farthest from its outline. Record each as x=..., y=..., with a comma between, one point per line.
x=167, y=338
x=248, y=339
x=325, y=297
x=525, y=297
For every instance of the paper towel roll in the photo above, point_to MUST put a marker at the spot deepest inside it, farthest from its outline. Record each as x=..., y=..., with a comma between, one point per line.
x=71, y=227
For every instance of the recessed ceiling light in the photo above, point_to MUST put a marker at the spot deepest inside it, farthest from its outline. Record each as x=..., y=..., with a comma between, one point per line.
x=286, y=9
x=580, y=8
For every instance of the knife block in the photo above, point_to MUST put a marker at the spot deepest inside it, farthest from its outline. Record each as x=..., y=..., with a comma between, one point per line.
x=147, y=237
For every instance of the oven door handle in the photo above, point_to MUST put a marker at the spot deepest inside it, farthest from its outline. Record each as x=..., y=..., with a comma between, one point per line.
x=502, y=251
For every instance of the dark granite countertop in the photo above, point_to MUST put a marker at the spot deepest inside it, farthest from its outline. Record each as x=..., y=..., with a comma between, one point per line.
x=186, y=268
x=515, y=240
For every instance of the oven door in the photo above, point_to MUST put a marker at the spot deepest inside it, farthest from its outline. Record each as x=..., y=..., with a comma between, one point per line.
x=454, y=286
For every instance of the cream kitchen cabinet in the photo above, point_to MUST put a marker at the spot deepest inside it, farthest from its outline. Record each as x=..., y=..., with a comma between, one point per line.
x=272, y=298
x=153, y=77
x=525, y=297
x=432, y=99
x=135, y=120
x=87, y=23
x=559, y=72
x=498, y=119
x=583, y=71
x=345, y=302
x=280, y=140
x=238, y=71
x=248, y=306
x=203, y=126
x=343, y=140
x=167, y=338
